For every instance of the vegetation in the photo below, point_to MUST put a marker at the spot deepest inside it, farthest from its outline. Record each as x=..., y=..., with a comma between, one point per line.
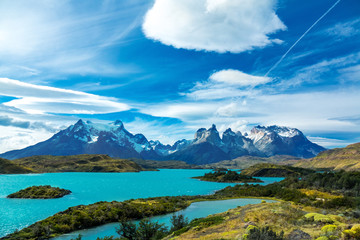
x=264, y=233
x=273, y=170
x=77, y=163
x=40, y=192
x=87, y=216
x=274, y=221
x=224, y=175
x=347, y=159
x=145, y=230
x=172, y=164
x=9, y=167
x=346, y=183
x=248, y=161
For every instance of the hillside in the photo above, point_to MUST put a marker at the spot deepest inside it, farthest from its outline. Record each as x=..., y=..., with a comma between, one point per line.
x=347, y=158
x=273, y=170
x=248, y=161
x=228, y=176
x=8, y=167
x=294, y=221
x=78, y=163
x=172, y=164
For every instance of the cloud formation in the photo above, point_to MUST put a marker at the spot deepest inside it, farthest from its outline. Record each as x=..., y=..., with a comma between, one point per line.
x=213, y=25
x=64, y=37
x=227, y=83
x=238, y=78
x=40, y=99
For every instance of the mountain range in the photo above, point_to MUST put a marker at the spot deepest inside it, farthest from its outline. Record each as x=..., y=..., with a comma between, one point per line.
x=206, y=147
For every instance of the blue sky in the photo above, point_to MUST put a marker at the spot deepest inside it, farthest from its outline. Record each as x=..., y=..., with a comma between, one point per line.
x=168, y=67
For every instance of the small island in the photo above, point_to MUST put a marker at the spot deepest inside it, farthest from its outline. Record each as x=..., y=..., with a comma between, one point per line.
x=227, y=176
x=40, y=192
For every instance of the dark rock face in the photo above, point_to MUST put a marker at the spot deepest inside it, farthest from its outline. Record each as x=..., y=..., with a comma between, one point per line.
x=206, y=147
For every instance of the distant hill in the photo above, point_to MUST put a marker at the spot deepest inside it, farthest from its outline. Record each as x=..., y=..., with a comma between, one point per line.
x=77, y=163
x=9, y=167
x=248, y=161
x=171, y=164
x=273, y=170
x=347, y=158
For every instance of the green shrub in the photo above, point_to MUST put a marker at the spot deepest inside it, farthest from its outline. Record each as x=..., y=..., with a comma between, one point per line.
x=265, y=233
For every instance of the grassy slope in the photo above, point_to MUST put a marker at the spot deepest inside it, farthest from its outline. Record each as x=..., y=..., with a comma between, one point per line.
x=78, y=163
x=40, y=192
x=281, y=216
x=273, y=170
x=347, y=158
x=8, y=167
x=248, y=161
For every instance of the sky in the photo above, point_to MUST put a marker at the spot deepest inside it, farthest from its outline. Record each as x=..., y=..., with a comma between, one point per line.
x=168, y=67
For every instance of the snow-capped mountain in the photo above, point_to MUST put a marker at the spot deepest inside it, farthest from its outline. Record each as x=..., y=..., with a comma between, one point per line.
x=90, y=138
x=206, y=147
x=275, y=140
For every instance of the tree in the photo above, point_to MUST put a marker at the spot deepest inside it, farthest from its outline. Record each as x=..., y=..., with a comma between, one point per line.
x=178, y=222
x=127, y=230
x=146, y=230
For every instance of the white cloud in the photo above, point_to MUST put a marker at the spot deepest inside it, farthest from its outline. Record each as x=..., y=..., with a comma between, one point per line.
x=329, y=142
x=339, y=69
x=184, y=111
x=213, y=25
x=344, y=29
x=40, y=99
x=238, y=78
x=16, y=138
x=226, y=84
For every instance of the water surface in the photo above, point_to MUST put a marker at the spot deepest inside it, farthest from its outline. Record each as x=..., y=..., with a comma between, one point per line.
x=89, y=188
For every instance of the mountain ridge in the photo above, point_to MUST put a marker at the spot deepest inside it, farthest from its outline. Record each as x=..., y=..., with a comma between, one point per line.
x=206, y=147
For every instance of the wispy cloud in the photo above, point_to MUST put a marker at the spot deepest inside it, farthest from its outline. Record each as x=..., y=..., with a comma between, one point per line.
x=40, y=99
x=211, y=25
x=65, y=37
x=344, y=29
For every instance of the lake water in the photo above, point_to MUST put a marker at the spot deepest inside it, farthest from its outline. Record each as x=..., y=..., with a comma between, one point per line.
x=195, y=210
x=89, y=188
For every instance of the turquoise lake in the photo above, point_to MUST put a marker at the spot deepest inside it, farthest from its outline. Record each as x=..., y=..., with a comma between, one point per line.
x=89, y=188
x=195, y=210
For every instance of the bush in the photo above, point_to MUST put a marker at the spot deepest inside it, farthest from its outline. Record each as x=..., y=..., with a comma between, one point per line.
x=265, y=233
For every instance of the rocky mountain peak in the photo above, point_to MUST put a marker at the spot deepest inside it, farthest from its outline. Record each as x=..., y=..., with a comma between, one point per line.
x=210, y=135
